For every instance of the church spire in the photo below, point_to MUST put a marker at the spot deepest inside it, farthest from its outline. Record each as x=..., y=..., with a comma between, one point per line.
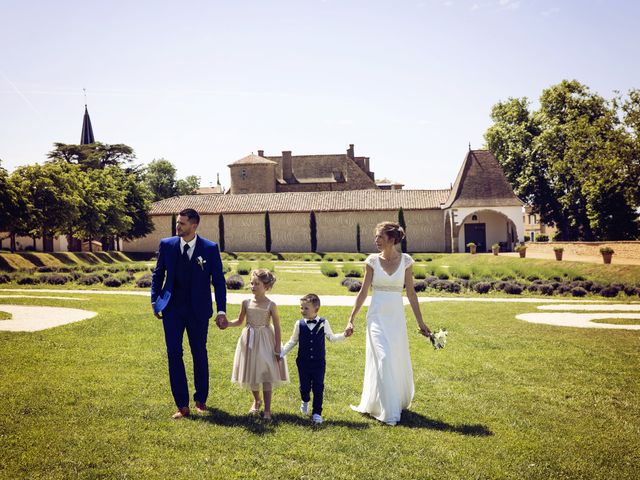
x=87, y=131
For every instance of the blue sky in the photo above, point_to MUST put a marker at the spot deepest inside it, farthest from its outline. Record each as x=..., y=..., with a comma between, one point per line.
x=410, y=83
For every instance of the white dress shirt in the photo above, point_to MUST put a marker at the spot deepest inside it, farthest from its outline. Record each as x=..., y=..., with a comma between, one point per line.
x=192, y=246
x=295, y=337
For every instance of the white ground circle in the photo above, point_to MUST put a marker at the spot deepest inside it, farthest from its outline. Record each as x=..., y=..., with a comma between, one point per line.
x=581, y=320
x=32, y=319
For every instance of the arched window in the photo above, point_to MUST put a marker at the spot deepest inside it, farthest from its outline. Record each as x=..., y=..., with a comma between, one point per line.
x=474, y=218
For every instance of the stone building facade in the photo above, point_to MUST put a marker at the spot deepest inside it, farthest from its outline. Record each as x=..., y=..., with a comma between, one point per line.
x=301, y=173
x=480, y=207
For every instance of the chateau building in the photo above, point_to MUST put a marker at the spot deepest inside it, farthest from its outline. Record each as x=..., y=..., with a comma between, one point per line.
x=480, y=207
x=301, y=173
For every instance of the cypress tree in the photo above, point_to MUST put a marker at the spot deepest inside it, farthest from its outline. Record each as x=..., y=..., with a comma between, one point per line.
x=267, y=232
x=313, y=232
x=404, y=227
x=221, y=232
x=358, y=237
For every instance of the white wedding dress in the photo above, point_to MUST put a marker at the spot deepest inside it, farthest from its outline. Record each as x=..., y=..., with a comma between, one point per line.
x=388, y=376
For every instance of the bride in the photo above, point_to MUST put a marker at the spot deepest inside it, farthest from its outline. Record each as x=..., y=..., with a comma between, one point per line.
x=388, y=376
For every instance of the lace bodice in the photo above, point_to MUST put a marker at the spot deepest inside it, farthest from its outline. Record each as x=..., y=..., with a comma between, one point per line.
x=382, y=280
x=257, y=316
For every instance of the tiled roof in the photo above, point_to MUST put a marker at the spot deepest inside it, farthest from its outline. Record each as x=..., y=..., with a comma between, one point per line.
x=352, y=200
x=252, y=160
x=481, y=182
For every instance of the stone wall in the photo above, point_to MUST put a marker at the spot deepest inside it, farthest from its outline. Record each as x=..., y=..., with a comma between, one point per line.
x=623, y=250
x=290, y=232
x=150, y=243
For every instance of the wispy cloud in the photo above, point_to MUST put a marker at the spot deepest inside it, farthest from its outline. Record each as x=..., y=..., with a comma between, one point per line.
x=15, y=89
x=550, y=12
x=509, y=4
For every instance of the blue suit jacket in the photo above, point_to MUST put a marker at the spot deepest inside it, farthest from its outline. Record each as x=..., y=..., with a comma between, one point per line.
x=203, y=275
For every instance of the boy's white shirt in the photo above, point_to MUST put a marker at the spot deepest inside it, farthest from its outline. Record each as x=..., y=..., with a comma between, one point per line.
x=295, y=337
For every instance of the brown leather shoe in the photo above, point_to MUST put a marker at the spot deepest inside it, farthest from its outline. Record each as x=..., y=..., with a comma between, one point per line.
x=181, y=413
x=201, y=407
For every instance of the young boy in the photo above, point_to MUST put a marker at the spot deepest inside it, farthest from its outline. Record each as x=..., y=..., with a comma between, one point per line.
x=310, y=332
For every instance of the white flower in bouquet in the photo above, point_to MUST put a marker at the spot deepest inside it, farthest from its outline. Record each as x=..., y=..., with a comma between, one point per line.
x=439, y=339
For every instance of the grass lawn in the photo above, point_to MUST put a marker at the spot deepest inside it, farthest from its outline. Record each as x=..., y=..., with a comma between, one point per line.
x=505, y=399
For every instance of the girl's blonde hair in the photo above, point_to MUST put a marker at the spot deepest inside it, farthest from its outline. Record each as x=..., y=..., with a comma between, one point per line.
x=392, y=230
x=265, y=276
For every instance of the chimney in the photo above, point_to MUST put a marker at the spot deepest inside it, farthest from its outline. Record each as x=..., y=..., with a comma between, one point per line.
x=261, y=153
x=287, y=170
x=350, y=152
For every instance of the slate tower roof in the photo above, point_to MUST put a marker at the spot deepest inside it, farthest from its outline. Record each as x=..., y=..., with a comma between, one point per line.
x=87, y=132
x=481, y=182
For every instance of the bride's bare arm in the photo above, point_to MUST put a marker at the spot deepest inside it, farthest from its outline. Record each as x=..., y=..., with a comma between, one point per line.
x=362, y=295
x=413, y=301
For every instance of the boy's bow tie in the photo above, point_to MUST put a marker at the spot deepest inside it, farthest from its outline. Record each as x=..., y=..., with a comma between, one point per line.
x=312, y=321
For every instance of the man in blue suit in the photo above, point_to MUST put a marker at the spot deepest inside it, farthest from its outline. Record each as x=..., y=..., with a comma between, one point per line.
x=186, y=268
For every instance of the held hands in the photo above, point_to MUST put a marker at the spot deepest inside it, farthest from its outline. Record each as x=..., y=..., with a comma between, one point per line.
x=222, y=322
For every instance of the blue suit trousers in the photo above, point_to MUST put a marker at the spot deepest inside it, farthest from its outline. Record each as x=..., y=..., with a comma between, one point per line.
x=177, y=319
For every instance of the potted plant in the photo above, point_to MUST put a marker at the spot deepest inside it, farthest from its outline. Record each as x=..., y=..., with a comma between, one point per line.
x=558, y=251
x=495, y=248
x=521, y=249
x=607, y=253
x=472, y=248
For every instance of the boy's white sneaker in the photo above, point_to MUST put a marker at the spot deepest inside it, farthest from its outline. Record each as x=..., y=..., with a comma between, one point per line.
x=304, y=408
x=316, y=418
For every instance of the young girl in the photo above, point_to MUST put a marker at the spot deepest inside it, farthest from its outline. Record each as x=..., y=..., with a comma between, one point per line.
x=257, y=360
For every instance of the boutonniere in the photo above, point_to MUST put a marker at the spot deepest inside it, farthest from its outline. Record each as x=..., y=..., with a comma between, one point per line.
x=201, y=262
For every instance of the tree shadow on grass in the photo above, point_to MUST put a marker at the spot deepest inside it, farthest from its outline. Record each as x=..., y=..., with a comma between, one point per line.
x=63, y=258
x=87, y=257
x=415, y=420
x=32, y=258
x=258, y=426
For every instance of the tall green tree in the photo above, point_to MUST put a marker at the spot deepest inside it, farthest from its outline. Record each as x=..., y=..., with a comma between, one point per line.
x=7, y=200
x=187, y=185
x=14, y=209
x=313, y=232
x=50, y=193
x=160, y=178
x=403, y=224
x=221, y=232
x=92, y=156
x=104, y=210
x=575, y=159
x=267, y=232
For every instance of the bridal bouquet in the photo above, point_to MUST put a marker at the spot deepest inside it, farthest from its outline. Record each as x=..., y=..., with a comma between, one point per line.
x=438, y=339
